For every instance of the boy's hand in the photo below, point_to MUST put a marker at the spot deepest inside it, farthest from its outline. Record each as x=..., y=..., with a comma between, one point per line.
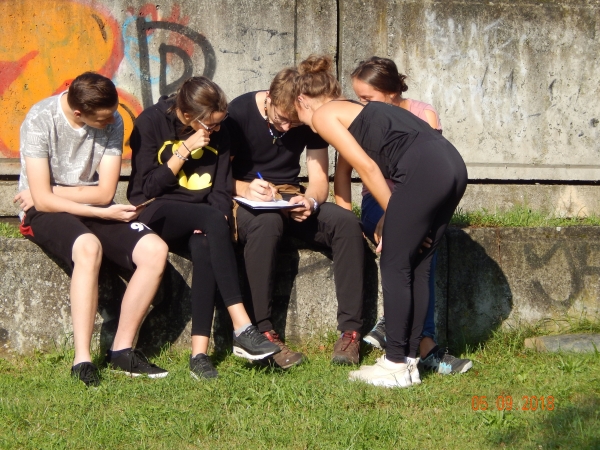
x=303, y=210
x=260, y=191
x=25, y=200
x=122, y=213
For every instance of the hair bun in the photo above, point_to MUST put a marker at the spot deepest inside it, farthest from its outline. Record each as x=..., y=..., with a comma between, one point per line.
x=315, y=64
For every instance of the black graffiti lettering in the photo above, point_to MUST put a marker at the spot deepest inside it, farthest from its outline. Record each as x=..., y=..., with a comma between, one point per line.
x=210, y=61
x=188, y=68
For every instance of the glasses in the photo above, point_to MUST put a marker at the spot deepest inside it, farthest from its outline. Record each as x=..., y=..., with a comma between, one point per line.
x=212, y=127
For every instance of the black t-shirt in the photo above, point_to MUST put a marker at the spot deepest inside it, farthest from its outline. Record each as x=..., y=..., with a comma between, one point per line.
x=253, y=147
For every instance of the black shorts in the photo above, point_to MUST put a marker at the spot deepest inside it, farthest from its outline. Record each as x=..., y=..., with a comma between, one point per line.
x=57, y=233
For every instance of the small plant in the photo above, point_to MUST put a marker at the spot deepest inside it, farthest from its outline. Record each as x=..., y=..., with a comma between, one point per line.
x=9, y=231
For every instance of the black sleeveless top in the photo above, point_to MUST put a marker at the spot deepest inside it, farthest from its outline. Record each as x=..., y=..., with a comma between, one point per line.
x=386, y=132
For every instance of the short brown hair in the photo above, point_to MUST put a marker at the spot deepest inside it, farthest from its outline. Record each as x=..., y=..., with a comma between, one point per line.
x=315, y=78
x=90, y=92
x=200, y=97
x=382, y=74
x=282, y=92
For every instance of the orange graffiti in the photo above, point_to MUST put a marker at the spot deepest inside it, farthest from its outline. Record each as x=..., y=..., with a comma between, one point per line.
x=45, y=44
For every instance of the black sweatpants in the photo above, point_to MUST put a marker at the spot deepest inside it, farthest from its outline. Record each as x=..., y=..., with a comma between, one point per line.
x=213, y=258
x=434, y=180
x=332, y=227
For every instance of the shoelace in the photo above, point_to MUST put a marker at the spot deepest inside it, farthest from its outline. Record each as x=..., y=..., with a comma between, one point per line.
x=274, y=338
x=350, y=336
x=88, y=374
x=138, y=359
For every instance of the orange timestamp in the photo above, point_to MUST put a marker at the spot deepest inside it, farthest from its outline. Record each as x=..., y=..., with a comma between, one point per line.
x=506, y=403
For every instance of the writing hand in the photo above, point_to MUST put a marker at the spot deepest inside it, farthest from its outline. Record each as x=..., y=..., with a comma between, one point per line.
x=261, y=191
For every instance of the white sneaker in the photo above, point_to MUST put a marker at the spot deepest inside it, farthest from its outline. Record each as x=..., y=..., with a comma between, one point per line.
x=415, y=377
x=384, y=373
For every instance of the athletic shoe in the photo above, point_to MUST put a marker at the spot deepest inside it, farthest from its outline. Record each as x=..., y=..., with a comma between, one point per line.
x=441, y=361
x=376, y=337
x=384, y=373
x=286, y=358
x=202, y=367
x=253, y=345
x=415, y=377
x=346, y=349
x=86, y=372
x=134, y=363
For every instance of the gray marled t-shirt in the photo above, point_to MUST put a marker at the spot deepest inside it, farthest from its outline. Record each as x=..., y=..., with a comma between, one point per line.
x=73, y=154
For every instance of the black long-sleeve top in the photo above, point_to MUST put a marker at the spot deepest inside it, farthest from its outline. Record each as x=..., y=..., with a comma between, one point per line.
x=204, y=178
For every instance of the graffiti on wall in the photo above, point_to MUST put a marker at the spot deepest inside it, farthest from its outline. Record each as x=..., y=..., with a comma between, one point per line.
x=46, y=44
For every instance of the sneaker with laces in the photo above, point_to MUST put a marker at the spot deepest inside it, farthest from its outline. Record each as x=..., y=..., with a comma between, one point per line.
x=441, y=361
x=202, y=367
x=86, y=372
x=376, y=337
x=347, y=348
x=253, y=345
x=286, y=358
x=384, y=373
x=134, y=363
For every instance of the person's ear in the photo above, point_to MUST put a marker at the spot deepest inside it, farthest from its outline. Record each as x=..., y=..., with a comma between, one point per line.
x=188, y=117
x=77, y=113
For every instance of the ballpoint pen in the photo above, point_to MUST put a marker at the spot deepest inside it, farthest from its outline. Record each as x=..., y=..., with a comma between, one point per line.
x=272, y=193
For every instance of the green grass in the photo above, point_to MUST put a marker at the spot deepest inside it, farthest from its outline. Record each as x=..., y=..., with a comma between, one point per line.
x=518, y=216
x=9, y=231
x=311, y=406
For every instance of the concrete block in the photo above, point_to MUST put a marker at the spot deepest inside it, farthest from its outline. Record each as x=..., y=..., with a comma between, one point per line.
x=580, y=343
x=506, y=277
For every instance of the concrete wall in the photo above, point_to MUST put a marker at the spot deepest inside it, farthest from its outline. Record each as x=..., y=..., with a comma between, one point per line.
x=485, y=279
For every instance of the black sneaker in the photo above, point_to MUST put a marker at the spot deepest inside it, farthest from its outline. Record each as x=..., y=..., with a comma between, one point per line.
x=376, y=337
x=134, y=363
x=86, y=372
x=253, y=345
x=201, y=367
x=441, y=361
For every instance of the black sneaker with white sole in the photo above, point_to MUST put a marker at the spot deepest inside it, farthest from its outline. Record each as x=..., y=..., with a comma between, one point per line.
x=134, y=363
x=202, y=367
x=441, y=361
x=376, y=337
x=253, y=345
x=87, y=373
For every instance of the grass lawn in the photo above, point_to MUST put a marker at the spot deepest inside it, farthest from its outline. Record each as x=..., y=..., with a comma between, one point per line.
x=312, y=406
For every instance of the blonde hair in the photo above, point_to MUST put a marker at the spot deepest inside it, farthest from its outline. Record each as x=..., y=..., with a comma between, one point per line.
x=282, y=92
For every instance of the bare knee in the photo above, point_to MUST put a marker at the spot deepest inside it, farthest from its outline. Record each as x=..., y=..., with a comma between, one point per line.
x=87, y=252
x=151, y=252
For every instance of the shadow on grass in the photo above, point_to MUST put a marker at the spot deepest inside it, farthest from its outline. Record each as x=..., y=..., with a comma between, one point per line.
x=572, y=426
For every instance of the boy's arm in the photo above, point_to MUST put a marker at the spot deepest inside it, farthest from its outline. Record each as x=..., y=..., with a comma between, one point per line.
x=317, y=164
x=103, y=193
x=38, y=175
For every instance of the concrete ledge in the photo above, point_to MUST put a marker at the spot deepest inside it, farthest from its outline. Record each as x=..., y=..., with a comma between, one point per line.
x=485, y=279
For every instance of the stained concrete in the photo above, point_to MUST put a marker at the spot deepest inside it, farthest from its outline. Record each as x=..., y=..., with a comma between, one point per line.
x=580, y=343
x=486, y=279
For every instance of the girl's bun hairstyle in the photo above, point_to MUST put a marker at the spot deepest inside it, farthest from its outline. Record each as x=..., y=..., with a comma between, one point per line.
x=315, y=78
x=382, y=74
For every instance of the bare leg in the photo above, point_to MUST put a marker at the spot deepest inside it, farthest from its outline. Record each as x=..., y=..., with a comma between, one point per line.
x=87, y=257
x=427, y=344
x=150, y=257
x=239, y=316
x=199, y=344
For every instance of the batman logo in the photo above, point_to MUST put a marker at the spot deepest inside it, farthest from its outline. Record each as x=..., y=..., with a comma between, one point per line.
x=192, y=181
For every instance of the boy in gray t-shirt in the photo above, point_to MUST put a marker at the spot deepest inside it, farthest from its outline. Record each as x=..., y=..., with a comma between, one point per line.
x=71, y=147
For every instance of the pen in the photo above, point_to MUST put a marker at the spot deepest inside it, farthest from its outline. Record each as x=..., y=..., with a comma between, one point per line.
x=272, y=194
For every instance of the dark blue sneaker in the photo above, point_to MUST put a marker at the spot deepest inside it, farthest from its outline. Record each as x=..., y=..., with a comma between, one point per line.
x=134, y=363
x=253, y=345
x=376, y=337
x=443, y=362
x=86, y=372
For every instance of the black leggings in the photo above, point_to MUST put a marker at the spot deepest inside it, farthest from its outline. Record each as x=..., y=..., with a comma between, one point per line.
x=213, y=259
x=434, y=180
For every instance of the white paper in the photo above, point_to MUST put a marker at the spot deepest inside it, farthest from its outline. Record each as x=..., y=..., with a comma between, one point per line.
x=277, y=204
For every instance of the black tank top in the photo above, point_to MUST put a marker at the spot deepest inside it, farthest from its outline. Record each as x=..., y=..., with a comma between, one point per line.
x=386, y=132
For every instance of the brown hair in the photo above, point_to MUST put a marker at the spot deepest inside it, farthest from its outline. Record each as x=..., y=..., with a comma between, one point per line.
x=90, y=92
x=315, y=78
x=200, y=97
x=382, y=74
x=282, y=92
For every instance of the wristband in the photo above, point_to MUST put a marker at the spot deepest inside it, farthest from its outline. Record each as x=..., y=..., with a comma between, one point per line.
x=176, y=153
x=315, y=204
